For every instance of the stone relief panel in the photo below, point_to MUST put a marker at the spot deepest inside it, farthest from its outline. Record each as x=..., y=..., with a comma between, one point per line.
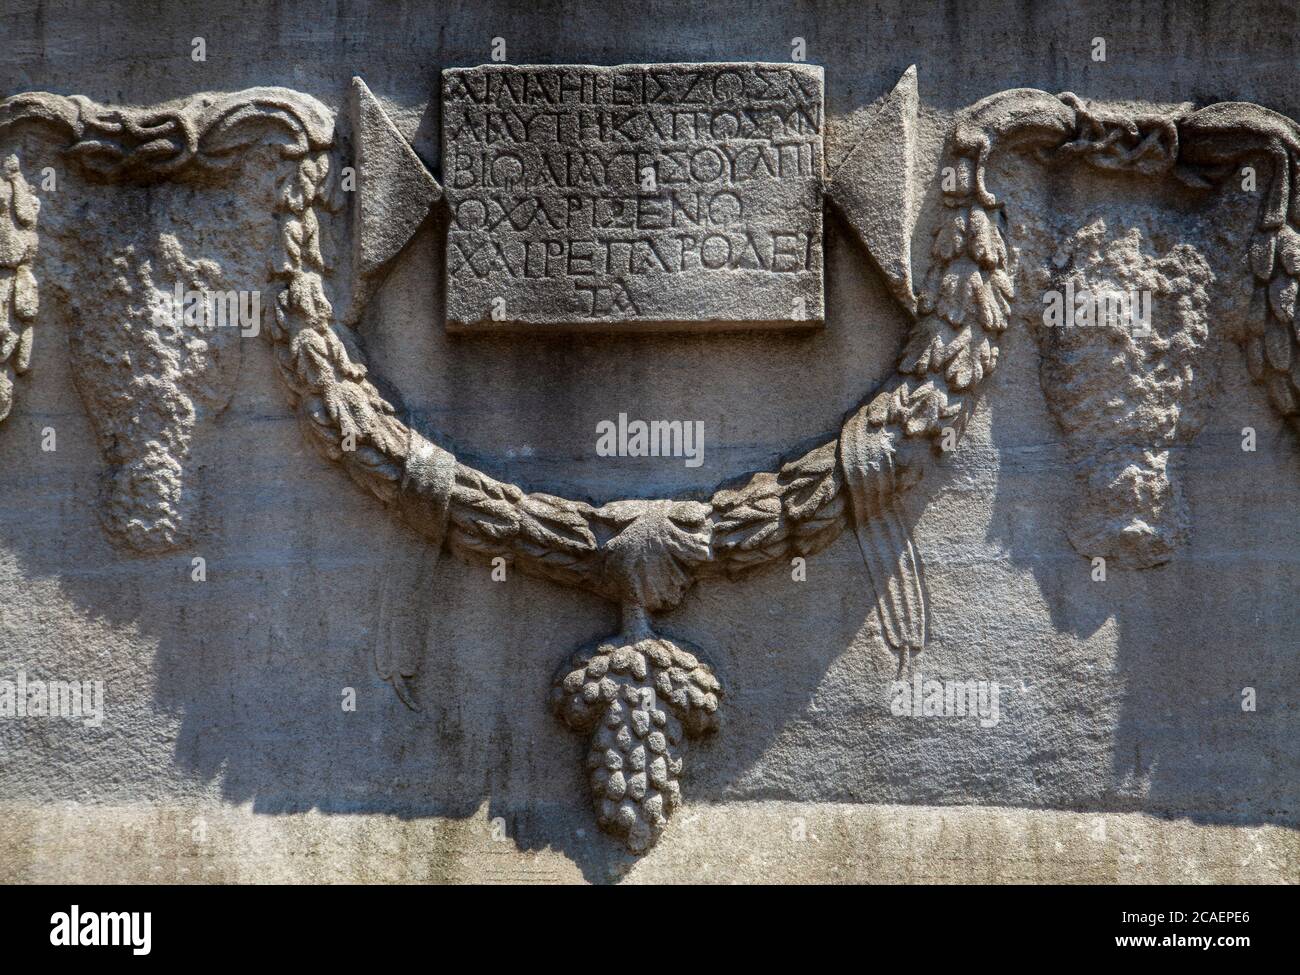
x=150, y=379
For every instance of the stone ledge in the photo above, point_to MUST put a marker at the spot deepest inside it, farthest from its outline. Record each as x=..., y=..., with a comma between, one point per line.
x=724, y=843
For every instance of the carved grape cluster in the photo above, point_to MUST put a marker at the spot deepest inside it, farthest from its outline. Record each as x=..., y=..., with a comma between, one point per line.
x=639, y=698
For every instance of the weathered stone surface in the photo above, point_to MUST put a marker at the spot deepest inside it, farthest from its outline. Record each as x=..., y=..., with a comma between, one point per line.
x=647, y=194
x=246, y=538
x=874, y=186
x=728, y=843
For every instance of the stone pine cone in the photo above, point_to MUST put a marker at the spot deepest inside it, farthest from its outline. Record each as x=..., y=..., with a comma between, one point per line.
x=638, y=695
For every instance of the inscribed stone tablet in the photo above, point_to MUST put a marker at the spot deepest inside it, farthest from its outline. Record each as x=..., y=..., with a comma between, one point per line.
x=633, y=196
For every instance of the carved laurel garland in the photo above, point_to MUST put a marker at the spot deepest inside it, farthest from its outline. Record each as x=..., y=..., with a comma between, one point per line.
x=640, y=694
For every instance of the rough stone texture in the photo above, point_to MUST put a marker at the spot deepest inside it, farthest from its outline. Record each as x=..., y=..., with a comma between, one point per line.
x=726, y=843
x=1131, y=509
x=637, y=194
x=1122, y=752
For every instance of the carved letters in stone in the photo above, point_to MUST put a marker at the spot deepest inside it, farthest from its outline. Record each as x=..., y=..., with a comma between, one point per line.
x=633, y=195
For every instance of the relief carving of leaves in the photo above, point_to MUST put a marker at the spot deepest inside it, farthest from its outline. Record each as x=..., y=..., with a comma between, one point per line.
x=657, y=546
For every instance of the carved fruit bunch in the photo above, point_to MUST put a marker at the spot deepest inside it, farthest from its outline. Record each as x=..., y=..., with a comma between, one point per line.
x=640, y=696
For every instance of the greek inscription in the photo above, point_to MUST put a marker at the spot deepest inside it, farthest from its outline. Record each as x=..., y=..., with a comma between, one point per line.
x=642, y=193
